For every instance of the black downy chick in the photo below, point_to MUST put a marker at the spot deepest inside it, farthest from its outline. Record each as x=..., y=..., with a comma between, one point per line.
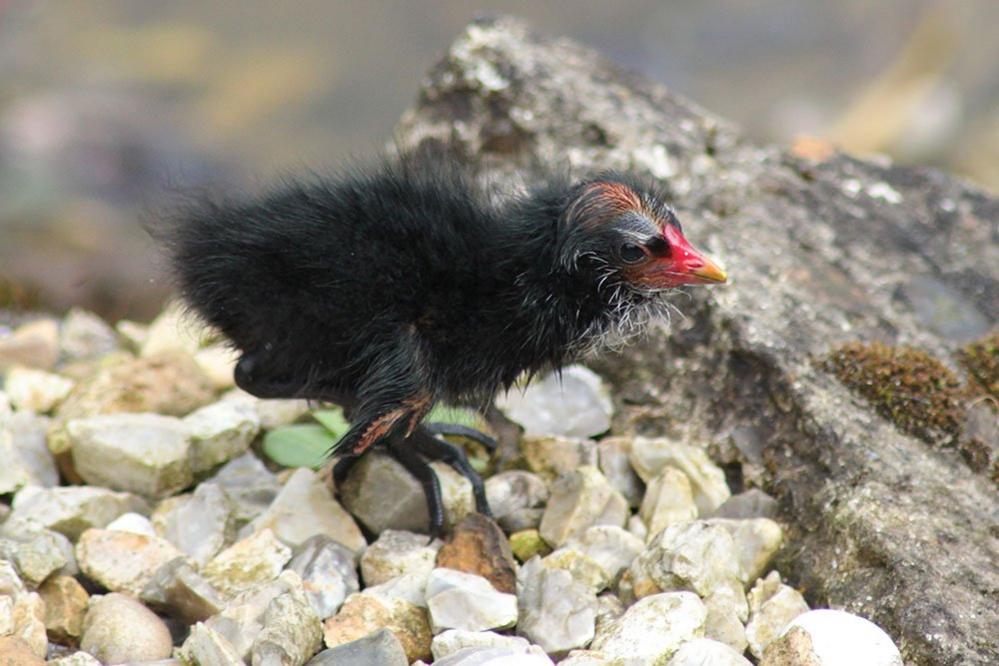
x=390, y=288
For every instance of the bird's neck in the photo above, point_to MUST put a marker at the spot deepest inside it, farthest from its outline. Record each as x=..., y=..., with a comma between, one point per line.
x=563, y=308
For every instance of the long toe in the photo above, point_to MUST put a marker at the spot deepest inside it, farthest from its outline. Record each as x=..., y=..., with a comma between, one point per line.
x=437, y=449
x=408, y=457
x=454, y=429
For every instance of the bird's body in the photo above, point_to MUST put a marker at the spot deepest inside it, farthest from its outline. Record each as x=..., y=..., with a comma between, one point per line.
x=393, y=287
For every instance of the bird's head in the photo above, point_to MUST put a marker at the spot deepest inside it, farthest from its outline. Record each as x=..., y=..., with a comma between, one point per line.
x=628, y=231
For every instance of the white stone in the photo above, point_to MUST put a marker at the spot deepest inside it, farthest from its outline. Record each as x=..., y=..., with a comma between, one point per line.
x=248, y=563
x=36, y=390
x=396, y=553
x=579, y=500
x=135, y=523
x=772, y=606
x=707, y=480
x=652, y=629
x=26, y=458
x=688, y=556
x=452, y=640
x=459, y=600
x=706, y=652
x=200, y=524
x=142, y=453
x=571, y=403
x=838, y=637
x=756, y=541
x=668, y=499
x=556, y=612
x=610, y=546
x=304, y=508
x=72, y=509
x=220, y=432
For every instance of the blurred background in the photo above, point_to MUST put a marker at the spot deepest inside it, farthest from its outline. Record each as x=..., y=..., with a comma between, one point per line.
x=107, y=109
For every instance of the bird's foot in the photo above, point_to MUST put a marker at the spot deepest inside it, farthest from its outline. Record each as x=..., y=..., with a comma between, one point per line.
x=456, y=430
x=415, y=453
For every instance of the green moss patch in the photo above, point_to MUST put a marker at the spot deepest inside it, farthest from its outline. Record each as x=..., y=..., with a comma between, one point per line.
x=981, y=360
x=914, y=390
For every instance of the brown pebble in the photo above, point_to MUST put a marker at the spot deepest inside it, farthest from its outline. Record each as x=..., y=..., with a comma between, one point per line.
x=478, y=546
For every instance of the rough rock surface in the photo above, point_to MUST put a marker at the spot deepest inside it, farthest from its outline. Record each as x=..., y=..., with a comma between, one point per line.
x=820, y=253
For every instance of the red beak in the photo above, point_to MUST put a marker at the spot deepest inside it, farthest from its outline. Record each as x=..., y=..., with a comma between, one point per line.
x=687, y=265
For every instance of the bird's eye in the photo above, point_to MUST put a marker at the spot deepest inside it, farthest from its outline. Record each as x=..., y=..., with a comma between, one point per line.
x=631, y=253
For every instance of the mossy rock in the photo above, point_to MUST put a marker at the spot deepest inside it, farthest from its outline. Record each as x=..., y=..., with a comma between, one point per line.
x=908, y=386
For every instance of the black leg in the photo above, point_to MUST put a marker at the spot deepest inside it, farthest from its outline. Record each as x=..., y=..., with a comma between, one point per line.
x=439, y=428
x=401, y=450
x=432, y=448
x=342, y=468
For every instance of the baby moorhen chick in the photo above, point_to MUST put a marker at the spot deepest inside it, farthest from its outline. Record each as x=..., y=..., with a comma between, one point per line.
x=389, y=288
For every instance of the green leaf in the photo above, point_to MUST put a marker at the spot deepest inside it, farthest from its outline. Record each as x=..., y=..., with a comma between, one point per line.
x=299, y=445
x=457, y=415
x=333, y=420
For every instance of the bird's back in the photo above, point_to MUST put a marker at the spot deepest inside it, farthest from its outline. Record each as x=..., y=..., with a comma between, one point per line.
x=324, y=272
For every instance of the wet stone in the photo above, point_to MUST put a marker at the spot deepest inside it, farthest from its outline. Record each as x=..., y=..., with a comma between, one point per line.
x=556, y=612
x=142, y=453
x=397, y=552
x=328, y=573
x=517, y=499
x=579, y=500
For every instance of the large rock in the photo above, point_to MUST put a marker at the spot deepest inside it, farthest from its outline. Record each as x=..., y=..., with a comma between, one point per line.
x=820, y=253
